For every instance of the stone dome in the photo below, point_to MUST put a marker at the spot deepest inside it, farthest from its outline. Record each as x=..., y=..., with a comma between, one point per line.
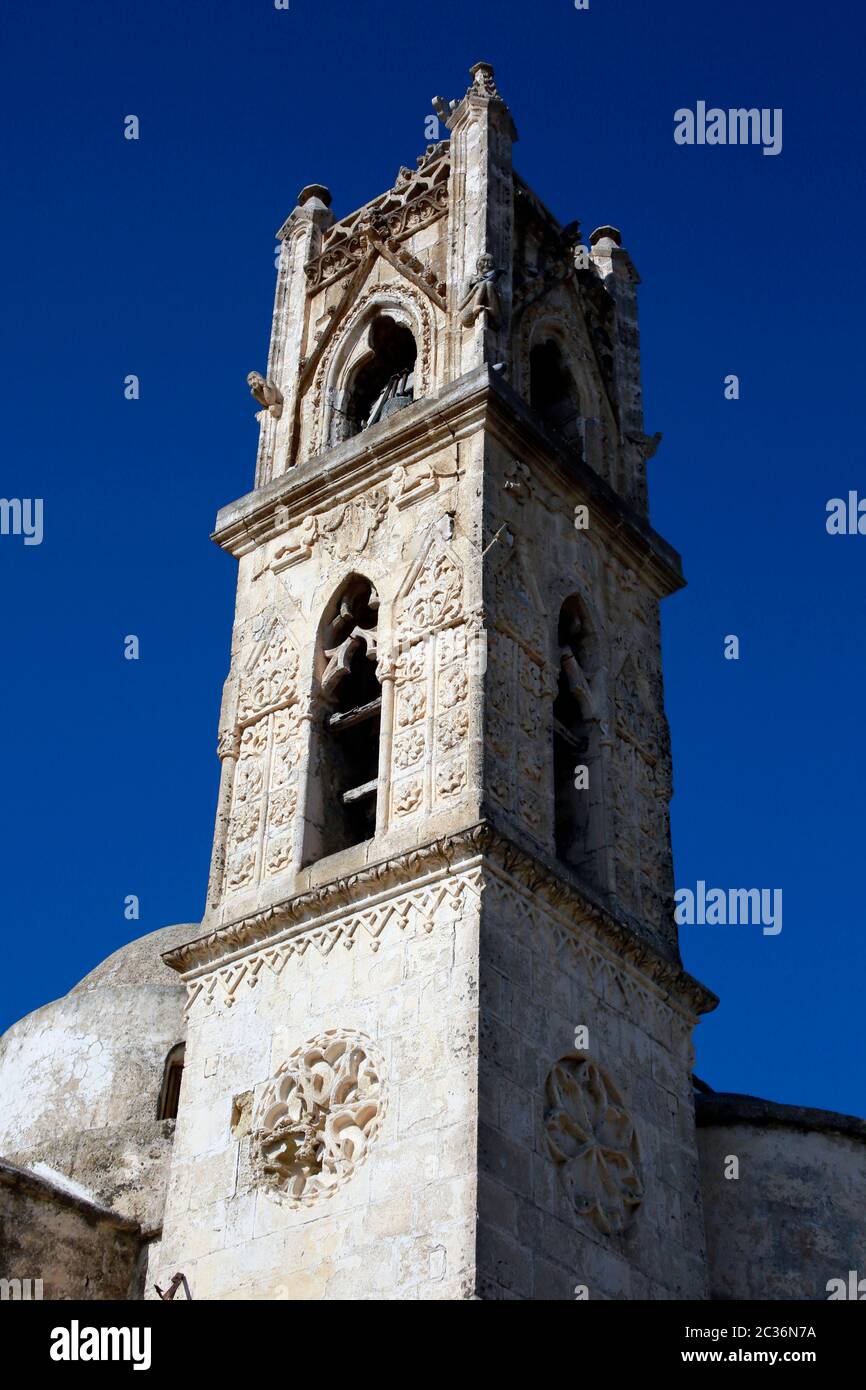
x=81, y=1077
x=139, y=962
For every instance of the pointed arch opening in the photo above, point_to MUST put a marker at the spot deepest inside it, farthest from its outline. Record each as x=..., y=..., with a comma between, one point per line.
x=579, y=830
x=553, y=391
x=384, y=380
x=344, y=755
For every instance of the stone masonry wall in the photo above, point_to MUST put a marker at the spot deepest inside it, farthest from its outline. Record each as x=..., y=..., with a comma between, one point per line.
x=78, y=1249
x=399, y=977
x=587, y=1163
x=794, y=1217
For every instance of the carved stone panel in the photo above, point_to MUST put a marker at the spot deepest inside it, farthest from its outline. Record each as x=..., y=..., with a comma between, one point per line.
x=591, y=1138
x=318, y=1117
x=265, y=793
x=517, y=715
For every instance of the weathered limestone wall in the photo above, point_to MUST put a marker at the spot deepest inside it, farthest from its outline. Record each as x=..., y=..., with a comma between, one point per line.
x=795, y=1217
x=587, y=1162
x=78, y=1249
x=398, y=976
x=539, y=559
x=414, y=534
x=80, y=1079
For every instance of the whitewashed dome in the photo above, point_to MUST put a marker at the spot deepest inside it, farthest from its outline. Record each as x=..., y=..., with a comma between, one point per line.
x=81, y=1078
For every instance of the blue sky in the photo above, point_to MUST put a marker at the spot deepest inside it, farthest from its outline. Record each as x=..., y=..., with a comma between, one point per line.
x=155, y=257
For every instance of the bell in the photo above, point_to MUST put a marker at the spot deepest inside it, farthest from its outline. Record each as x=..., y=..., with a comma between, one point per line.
x=394, y=403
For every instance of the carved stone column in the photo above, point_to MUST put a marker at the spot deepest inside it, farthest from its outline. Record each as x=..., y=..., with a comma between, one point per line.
x=386, y=673
x=300, y=825
x=228, y=749
x=621, y=279
x=481, y=211
x=301, y=235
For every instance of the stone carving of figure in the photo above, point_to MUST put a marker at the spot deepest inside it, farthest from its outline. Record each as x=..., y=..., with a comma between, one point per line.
x=483, y=81
x=267, y=393
x=482, y=296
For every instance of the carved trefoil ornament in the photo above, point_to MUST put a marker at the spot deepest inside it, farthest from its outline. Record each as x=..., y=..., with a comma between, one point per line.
x=591, y=1138
x=318, y=1117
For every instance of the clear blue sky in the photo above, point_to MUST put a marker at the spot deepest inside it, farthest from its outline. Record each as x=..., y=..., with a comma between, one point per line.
x=156, y=258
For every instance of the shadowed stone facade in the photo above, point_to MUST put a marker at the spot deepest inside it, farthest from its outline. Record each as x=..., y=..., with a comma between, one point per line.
x=438, y=1036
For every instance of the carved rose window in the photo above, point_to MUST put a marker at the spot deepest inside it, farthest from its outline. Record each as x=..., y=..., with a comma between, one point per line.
x=591, y=1138
x=318, y=1117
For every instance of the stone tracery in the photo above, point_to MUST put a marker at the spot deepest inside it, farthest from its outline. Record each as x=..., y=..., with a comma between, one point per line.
x=591, y=1138
x=318, y=1117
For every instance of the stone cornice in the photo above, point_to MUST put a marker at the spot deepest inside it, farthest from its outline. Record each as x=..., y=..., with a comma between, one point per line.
x=480, y=399
x=359, y=463
x=477, y=845
x=719, y=1108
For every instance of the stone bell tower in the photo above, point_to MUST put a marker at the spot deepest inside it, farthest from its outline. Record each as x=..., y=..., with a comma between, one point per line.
x=439, y=1032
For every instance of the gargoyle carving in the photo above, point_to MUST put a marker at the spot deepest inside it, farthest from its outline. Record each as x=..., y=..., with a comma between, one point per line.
x=267, y=393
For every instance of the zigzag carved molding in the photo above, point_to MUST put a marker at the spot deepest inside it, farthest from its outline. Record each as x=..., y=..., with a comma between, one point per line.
x=369, y=899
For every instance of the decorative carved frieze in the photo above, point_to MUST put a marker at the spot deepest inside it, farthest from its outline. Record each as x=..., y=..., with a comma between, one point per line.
x=616, y=953
x=417, y=200
x=517, y=607
x=264, y=789
x=431, y=596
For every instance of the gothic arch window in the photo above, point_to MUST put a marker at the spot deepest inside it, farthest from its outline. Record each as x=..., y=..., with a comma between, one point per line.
x=553, y=391
x=382, y=382
x=344, y=761
x=577, y=767
x=169, y=1094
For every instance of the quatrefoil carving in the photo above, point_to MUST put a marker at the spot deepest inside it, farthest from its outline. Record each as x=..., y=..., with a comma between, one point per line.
x=591, y=1138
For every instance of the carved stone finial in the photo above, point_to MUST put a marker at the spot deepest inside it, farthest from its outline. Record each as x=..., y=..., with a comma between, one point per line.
x=267, y=393
x=483, y=81
x=317, y=192
x=605, y=238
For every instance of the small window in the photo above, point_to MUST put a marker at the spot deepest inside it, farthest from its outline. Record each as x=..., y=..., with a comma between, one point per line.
x=169, y=1096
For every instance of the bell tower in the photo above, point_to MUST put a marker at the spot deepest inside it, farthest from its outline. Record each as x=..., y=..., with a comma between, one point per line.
x=438, y=1028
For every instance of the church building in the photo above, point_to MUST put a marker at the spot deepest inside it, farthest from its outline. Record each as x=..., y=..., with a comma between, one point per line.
x=433, y=1038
